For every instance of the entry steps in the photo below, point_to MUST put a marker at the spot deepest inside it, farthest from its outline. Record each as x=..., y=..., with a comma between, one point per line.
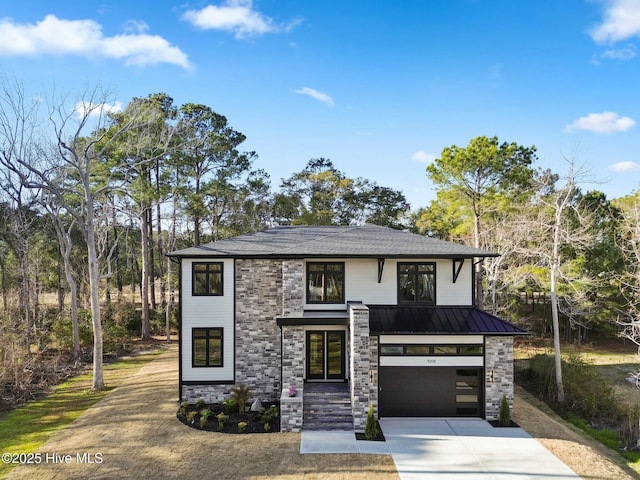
x=327, y=406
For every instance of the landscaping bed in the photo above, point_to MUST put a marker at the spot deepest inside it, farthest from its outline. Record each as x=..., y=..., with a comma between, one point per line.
x=226, y=417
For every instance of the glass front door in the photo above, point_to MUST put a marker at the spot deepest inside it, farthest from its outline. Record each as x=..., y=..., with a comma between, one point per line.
x=326, y=355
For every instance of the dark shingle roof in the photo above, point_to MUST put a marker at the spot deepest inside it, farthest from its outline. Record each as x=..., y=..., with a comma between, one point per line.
x=332, y=241
x=438, y=320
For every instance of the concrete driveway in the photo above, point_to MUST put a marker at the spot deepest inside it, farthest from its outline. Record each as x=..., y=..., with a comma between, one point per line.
x=457, y=449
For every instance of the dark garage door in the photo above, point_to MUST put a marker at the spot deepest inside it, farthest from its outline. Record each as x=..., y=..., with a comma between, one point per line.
x=430, y=391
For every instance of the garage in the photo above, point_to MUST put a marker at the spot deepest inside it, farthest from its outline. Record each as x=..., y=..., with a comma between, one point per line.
x=430, y=392
x=432, y=360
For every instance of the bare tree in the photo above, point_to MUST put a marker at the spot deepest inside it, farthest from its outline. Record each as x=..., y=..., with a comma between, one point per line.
x=559, y=224
x=76, y=173
x=18, y=131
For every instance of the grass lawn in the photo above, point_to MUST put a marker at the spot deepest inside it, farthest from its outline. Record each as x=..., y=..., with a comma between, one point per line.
x=27, y=428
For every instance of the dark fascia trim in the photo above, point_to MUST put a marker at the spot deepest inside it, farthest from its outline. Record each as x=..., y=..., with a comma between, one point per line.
x=208, y=382
x=388, y=255
x=486, y=334
x=300, y=321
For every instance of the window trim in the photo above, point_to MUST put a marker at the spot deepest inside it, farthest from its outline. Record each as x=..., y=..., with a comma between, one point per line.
x=324, y=302
x=209, y=272
x=401, y=301
x=403, y=349
x=208, y=337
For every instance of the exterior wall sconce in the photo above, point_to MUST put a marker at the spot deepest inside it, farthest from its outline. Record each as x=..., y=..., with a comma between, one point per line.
x=370, y=376
x=491, y=376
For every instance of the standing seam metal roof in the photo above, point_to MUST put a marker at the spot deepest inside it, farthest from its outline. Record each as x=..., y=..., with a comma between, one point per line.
x=438, y=320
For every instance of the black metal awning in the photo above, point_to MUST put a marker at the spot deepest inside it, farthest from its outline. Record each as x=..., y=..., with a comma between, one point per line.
x=438, y=320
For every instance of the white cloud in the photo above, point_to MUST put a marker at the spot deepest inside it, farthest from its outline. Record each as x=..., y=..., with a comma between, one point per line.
x=321, y=97
x=236, y=16
x=623, y=167
x=626, y=53
x=83, y=109
x=621, y=21
x=605, y=122
x=84, y=38
x=423, y=157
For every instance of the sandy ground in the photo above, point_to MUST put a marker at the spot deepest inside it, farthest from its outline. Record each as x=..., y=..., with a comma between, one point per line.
x=133, y=433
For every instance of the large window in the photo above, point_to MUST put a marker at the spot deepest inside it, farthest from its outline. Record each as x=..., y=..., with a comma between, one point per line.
x=417, y=283
x=325, y=282
x=207, y=347
x=207, y=278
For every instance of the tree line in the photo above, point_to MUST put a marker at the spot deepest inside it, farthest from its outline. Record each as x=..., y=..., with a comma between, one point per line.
x=91, y=200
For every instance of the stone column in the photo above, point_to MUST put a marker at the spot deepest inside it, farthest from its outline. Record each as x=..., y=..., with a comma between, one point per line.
x=292, y=288
x=292, y=374
x=359, y=364
x=498, y=374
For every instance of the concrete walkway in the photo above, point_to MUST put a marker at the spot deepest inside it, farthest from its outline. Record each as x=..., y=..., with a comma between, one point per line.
x=449, y=449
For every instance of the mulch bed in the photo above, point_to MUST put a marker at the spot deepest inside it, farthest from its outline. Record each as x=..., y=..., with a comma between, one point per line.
x=497, y=424
x=379, y=438
x=255, y=421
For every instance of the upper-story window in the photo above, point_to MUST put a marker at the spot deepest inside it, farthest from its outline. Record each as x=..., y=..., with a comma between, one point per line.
x=417, y=283
x=207, y=278
x=325, y=282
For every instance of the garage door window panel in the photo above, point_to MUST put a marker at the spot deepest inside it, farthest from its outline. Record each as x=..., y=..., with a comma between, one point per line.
x=431, y=350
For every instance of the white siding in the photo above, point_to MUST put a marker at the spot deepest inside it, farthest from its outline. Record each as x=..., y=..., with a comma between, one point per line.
x=208, y=312
x=361, y=282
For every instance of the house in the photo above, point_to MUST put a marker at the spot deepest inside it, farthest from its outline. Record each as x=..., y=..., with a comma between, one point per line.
x=388, y=313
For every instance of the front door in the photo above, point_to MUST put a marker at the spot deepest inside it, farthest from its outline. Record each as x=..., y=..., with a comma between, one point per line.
x=326, y=355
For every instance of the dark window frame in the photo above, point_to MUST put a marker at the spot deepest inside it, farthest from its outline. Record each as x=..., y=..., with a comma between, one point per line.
x=208, y=336
x=460, y=349
x=416, y=274
x=324, y=292
x=209, y=273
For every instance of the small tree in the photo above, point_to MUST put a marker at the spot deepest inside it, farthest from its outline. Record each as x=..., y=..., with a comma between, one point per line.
x=504, y=416
x=240, y=393
x=371, y=430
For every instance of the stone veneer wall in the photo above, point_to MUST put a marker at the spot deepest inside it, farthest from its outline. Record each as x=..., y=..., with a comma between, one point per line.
x=291, y=411
x=359, y=364
x=292, y=288
x=499, y=359
x=258, y=302
x=208, y=393
x=373, y=366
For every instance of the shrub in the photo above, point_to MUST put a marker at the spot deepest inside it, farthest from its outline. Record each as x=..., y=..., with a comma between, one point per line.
x=587, y=394
x=200, y=404
x=222, y=420
x=267, y=427
x=242, y=427
x=371, y=430
x=269, y=415
x=204, y=416
x=504, y=416
x=183, y=408
x=240, y=393
x=229, y=405
x=629, y=426
x=191, y=416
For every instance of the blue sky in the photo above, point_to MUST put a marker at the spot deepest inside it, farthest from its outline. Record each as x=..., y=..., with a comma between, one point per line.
x=379, y=87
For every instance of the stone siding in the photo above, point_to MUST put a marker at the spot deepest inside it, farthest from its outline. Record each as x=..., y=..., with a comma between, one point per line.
x=359, y=364
x=258, y=302
x=208, y=393
x=292, y=288
x=498, y=374
x=291, y=411
x=373, y=366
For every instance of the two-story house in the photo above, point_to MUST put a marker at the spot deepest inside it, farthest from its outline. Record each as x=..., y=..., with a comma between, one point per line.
x=389, y=313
